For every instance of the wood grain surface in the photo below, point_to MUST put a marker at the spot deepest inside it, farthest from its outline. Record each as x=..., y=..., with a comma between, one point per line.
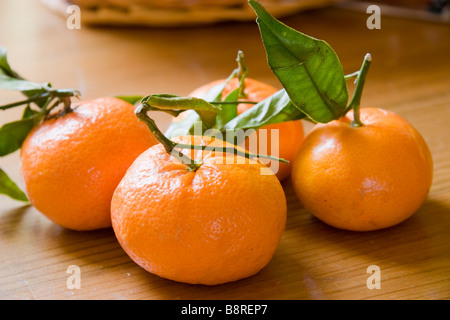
x=410, y=75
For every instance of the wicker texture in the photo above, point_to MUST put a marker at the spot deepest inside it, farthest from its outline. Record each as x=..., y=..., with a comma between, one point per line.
x=176, y=12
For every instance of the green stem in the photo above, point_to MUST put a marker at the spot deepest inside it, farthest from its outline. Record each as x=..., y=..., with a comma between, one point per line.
x=23, y=102
x=175, y=105
x=67, y=106
x=142, y=113
x=169, y=145
x=230, y=150
x=241, y=73
x=232, y=102
x=50, y=94
x=351, y=75
x=356, y=99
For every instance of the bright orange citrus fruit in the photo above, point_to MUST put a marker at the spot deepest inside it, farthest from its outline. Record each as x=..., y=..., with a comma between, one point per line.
x=220, y=223
x=290, y=133
x=363, y=178
x=71, y=165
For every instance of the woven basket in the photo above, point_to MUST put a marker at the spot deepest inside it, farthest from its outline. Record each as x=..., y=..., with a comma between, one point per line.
x=176, y=12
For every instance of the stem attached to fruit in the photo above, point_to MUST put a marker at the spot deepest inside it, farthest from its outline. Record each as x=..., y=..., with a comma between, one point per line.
x=142, y=113
x=174, y=105
x=50, y=94
x=242, y=70
x=356, y=99
x=232, y=150
x=169, y=145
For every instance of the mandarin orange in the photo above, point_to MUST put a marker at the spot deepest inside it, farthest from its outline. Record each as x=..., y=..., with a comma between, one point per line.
x=217, y=224
x=363, y=178
x=72, y=164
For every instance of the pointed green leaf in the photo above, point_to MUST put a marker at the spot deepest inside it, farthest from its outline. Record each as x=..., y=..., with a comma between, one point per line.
x=308, y=68
x=191, y=118
x=274, y=109
x=29, y=113
x=9, y=79
x=4, y=65
x=9, y=188
x=9, y=83
x=185, y=126
x=164, y=102
x=130, y=99
x=13, y=134
x=228, y=111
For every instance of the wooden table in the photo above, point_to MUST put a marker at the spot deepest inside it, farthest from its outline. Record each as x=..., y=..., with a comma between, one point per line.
x=409, y=75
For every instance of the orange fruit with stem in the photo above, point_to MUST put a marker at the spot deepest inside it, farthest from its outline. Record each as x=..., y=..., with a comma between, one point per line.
x=290, y=133
x=212, y=220
x=363, y=178
x=71, y=164
x=368, y=170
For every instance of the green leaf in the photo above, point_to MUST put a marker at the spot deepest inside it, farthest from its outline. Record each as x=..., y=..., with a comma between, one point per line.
x=190, y=117
x=11, y=80
x=9, y=188
x=13, y=134
x=9, y=83
x=29, y=113
x=274, y=109
x=185, y=126
x=37, y=93
x=308, y=68
x=130, y=99
x=176, y=104
x=215, y=93
x=4, y=65
x=228, y=111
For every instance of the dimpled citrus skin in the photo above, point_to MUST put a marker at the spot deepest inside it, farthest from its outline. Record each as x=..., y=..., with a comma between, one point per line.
x=71, y=165
x=290, y=133
x=363, y=178
x=218, y=224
